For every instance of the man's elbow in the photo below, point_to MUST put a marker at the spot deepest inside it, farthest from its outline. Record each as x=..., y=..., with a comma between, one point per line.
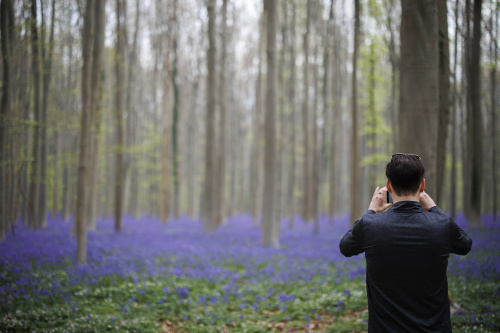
x=345, y=249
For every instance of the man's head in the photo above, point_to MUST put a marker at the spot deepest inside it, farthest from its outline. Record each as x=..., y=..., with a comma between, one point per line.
x=405, y=172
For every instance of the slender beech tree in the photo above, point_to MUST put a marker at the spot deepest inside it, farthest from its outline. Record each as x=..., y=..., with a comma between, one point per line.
x=454, y=125
x=257, y=137
x=270, y=233
x=221, y=149
x=333, y=185
x=167, y=104
x=355, y=169
x=47, y=52
x=8, y=47
x=444, y=96
x=493, y=106
x=95, y=96
x=34, y=193
x=85, y=135
x=474, y=133
x=306, y=195
x=210, y=180
x=293, y=115
x=120, y=136
x=419, y=103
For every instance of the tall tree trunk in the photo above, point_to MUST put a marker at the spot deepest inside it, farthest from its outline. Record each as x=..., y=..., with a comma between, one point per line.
x=85, y=136
x=270, y=234
x=453, y=180
x=283, y=128
x=132, y=119
x=475, y=124
x=175, y=122
x=120, y=136
x=494, y=142
x=355, y=168
x=68, y=190
x=419, y=100
x=293, y=114
x=221, y=149
x=305, y=122
x=444, y=96
x=167, y=104
x=210, y=184
x=326, y=102
x=7, y=26
x=34, y=195
x=257, y=137
x=95, y=93
x=47, y=74
x=333, y=185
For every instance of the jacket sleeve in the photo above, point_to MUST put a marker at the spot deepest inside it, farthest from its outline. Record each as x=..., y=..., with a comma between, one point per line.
x=352, y=242
x=460, y=242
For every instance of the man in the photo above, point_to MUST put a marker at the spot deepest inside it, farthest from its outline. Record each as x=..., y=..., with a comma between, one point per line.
x=406, y=250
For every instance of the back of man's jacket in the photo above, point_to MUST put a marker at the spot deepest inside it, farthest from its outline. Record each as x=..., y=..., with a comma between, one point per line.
x=406, y=250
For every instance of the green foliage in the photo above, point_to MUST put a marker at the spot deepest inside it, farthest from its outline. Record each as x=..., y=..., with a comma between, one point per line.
x=155, y=303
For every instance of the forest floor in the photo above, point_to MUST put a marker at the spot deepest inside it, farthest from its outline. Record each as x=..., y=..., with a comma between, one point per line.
x=175, y=278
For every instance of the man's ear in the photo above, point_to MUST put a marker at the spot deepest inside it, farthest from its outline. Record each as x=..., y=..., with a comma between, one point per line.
x=422, y=186
x=388, y=185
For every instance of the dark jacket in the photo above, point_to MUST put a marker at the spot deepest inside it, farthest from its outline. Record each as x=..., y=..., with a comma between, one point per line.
x=406, y=251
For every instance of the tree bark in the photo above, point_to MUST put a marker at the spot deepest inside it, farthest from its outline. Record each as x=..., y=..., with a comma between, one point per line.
x=453, y=175
x=270, y=234
x=85, y=136
x=210, y=181
x=221, y=167
x=419, y=100
x=293, y=114
x=7, y=27
x=34, y=194
x=444, y=97
x=120, y=135
x=355, y=169
x=306, y=195
x=47, y=75
x=475, y=124
x=494, y=142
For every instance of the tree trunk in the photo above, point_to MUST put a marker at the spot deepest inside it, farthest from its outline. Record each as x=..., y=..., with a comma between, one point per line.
x=98, y=32
x=34, y=195
x=257, y=137
x=280, y=203
x=47, y=74
x=221, y=150
x=494, y=140
x=293, y=114
x=305, y=122
x=270, y=234
x=210, y=184
x=453, y=180
x=85, y=136
x=475, y=124
x=419, y=108
x=8, y=44
x=333, y=185
x=444, y=97
x=355, y=168
x=120, y=135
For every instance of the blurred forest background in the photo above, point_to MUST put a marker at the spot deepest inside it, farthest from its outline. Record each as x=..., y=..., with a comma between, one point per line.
x=277, y=108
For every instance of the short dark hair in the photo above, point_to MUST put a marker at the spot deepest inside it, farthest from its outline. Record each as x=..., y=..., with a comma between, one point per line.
x=405, y=172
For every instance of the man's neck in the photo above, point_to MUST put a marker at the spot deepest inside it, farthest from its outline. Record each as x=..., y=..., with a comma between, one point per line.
x=397, y=198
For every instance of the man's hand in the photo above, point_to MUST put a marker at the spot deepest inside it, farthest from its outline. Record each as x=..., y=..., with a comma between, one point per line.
x=378, y=200
x=426, y=201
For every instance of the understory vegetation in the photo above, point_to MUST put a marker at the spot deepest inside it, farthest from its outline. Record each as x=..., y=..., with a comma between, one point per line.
x=175, y=278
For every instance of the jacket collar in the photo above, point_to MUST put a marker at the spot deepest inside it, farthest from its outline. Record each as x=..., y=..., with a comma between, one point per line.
x=407, y=206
